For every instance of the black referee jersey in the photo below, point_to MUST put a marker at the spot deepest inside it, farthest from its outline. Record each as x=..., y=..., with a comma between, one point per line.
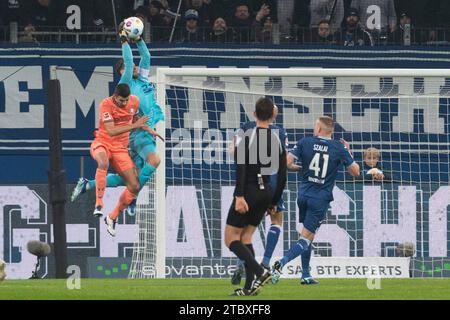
x=258, y=154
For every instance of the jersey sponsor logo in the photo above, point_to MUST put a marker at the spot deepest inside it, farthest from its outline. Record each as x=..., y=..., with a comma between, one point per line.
x=316, y=180
x=106, y=116
x=123, y=118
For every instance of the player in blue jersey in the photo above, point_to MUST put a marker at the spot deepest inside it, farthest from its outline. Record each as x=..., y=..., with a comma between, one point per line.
x=276, y=216
x=142, y=145
x=319, y=158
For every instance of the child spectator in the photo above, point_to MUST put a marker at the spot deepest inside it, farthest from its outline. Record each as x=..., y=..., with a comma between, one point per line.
x=372, y=170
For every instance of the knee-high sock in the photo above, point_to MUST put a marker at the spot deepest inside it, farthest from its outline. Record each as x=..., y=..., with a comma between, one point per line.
x=306, y=258
x=249, y=275
x=125, y=199
x=297, y=249
x=100, y=178
x=145, y=174
x=112, y=180
x=272, y=239
x=243, y=253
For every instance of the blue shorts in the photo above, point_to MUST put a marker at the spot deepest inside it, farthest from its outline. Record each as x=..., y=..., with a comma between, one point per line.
x=312, y=212
x=141, y=145
x=273, y=185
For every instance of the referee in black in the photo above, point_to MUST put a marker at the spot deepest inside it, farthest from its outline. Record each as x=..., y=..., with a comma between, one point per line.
x=258, y=154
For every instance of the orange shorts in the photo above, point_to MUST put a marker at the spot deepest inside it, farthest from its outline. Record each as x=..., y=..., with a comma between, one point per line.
x=119, y=158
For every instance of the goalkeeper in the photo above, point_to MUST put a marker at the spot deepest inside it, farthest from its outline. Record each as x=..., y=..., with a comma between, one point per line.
x=142, y=146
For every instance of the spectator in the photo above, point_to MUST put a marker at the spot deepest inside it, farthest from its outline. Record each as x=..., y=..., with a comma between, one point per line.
x=405, y=33
x=285, y=19
x=323, y=33
x=142, y=13
x=158, y=24
x=263, y=12
x=191, y=32
x=262, y=26
x=301, y=21
x=14, y=11
x=242, y=23
x=41, y=14
x=263, y=30
x=378, y=17
x=352, y=34
x=372, y=170
x=28, y=35
x=204, y=12
x=441, y=35
x=168, y=11
x=140, y=3
x=272, y=5
x=220, y=32
x=331, y=10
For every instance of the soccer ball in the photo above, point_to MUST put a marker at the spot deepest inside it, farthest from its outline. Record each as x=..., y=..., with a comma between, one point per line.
x=2, y=270
x=134, y=27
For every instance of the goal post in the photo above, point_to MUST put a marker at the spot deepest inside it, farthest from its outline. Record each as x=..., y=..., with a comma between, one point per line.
x=402, y=113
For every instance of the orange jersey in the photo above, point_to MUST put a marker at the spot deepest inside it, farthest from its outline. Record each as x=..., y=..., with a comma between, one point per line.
x=109, y=111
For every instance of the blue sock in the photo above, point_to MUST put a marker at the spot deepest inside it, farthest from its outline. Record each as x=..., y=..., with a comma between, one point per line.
x=91, y=184
x=297, y=249
x=114, y=180
x=272, y=239
x=306, y=258
x=145, y=174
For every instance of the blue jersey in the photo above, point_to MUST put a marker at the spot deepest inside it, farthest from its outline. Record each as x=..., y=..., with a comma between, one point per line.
x=141, y=87
x=320, y=159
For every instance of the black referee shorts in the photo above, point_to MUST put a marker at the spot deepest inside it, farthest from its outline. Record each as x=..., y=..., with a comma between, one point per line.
x=258, y=202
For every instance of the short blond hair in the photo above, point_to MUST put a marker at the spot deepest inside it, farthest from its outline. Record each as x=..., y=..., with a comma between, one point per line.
x=372, y=152
x=327, y=123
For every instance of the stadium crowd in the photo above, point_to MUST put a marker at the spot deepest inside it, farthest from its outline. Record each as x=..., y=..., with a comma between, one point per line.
x=339, y=22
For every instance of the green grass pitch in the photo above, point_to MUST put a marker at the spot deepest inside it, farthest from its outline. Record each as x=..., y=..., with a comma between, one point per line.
x=218, y=289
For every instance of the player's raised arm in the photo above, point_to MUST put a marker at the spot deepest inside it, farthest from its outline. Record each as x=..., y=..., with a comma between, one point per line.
x=144, y=63
x=127, y=55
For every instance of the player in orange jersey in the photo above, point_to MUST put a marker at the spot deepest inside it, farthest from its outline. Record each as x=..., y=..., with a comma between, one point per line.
x=117, y=114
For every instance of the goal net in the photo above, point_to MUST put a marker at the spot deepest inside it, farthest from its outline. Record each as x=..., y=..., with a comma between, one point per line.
x=402, y=115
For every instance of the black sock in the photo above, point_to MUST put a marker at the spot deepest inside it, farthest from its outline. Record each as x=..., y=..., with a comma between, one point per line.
x=249, y=274
x=243, y=253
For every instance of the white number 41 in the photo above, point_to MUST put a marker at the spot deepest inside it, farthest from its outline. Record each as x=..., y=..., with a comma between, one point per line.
x=314, y=165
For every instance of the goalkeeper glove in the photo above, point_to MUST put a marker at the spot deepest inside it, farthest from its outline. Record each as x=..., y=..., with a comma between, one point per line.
x=122, y=33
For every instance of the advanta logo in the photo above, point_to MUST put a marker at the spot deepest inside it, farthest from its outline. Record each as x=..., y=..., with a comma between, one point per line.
x=200, y=271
